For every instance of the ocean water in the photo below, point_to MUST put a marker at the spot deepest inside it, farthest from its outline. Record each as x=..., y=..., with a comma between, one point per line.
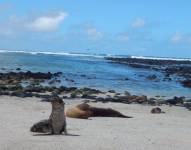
x=88, y=70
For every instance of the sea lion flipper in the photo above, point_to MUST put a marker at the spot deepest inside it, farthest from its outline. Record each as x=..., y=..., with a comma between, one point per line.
x=123, y=116
x=64, y=129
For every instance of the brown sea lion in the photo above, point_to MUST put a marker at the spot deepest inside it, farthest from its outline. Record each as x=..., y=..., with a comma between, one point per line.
x=84, y=111
x=56, y=124
x=81, y=111
x=157, y=110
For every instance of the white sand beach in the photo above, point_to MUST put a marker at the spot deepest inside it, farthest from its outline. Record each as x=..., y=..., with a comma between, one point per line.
x=146, y=131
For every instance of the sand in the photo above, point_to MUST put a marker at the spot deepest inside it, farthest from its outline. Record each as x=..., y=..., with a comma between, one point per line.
x=169, y=131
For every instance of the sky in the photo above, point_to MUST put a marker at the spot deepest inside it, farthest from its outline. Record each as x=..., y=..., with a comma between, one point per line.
x=130, y=27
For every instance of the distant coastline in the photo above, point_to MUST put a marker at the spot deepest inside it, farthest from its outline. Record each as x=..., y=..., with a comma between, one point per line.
x=92, y=55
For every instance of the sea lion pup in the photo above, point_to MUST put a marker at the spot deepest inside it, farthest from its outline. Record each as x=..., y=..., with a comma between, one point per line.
x=42, y=126
x=84, y=111
x=157, y=110
x=56, y=124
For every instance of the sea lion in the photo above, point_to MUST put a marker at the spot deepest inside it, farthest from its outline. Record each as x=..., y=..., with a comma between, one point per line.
x=57, y=118
x=157, y=110
x=81, y=111
x=84, y=111
x=56, y=124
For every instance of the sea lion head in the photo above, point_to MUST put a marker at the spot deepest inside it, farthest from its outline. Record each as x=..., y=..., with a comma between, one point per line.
x=57, y=103
x=80, y=111
x=83, y=106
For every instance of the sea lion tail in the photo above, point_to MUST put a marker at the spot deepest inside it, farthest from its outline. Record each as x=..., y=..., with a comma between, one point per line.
x=123, y=116
x=118, y=114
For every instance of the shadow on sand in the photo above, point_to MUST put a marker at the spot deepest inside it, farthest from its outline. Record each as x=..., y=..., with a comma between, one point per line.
x=48, y=134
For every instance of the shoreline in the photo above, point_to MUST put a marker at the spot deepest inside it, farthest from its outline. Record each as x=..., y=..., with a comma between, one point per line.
x=41, y=85
x=169, y=131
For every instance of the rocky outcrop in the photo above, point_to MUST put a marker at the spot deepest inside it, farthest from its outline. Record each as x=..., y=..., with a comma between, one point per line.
x=170, y=68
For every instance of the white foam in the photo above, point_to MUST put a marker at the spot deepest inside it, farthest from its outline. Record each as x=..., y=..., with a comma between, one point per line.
x=90, y=55
x=54, y=53
x=161, y=58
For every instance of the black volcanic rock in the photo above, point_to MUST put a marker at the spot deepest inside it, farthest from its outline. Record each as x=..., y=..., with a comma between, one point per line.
x=147, y=61
x=187, y=105
x=186, y=83
x=177, y=68
x=18, y=69
x=18, y=76
x=151, y=77
x=176, y=100
x=111, y=91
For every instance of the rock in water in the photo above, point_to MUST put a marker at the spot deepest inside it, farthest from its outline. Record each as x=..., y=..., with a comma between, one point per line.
x=152, y=77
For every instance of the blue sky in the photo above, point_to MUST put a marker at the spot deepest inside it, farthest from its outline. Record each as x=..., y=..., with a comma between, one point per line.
x=136, y=27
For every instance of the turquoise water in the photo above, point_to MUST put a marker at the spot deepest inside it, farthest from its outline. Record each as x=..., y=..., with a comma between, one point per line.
x=92, y=71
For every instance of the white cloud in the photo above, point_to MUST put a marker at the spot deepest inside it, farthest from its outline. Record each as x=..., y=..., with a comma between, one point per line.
x=138, y=23
x=123, y=37
x=181, y=38
x=47, y=23
x=93, y=33
x=20, y=26
x=176, y=38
